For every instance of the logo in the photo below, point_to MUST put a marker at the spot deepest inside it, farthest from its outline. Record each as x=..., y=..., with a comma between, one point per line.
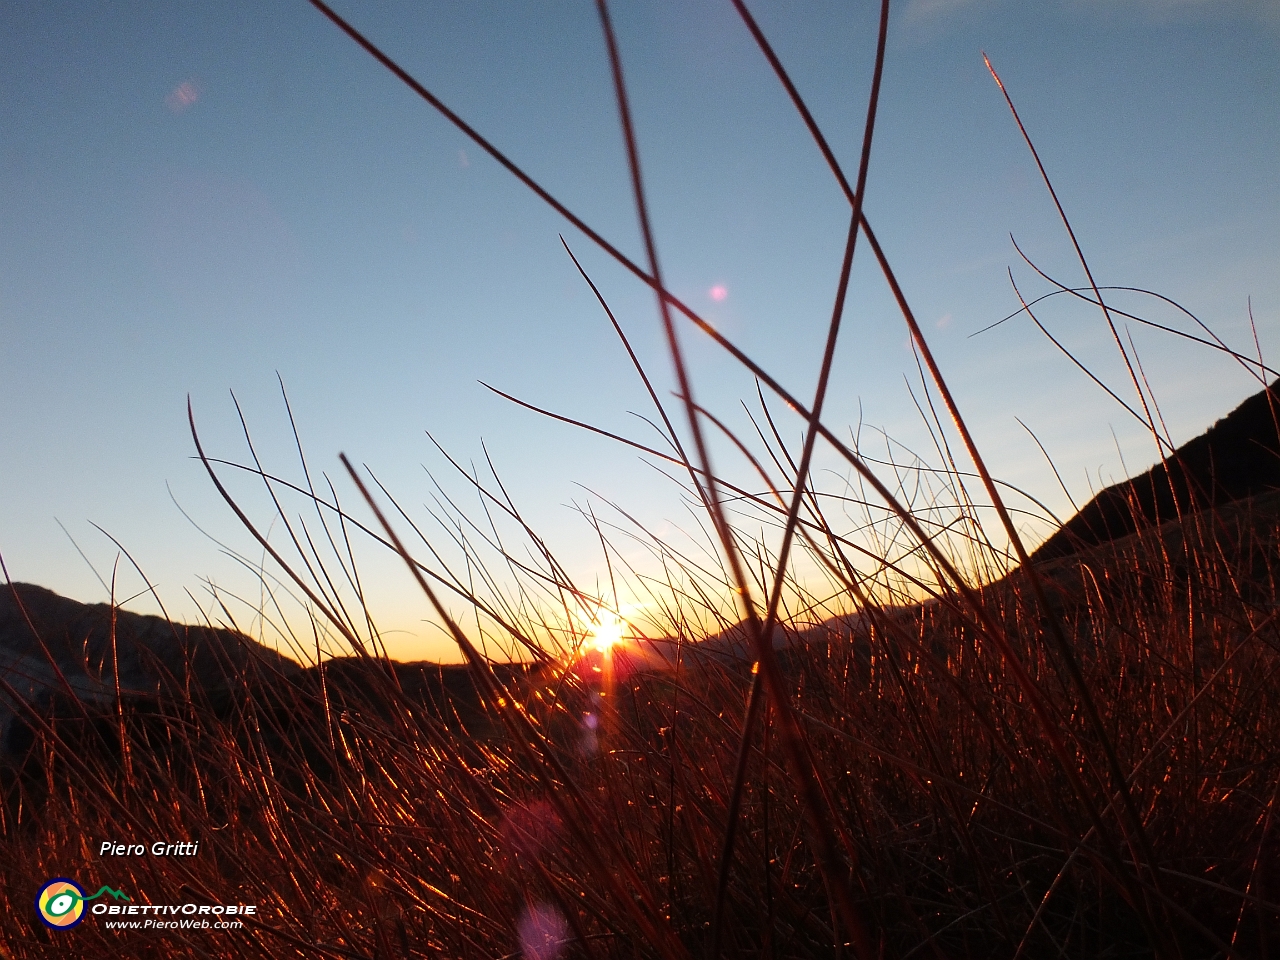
x=60, y=902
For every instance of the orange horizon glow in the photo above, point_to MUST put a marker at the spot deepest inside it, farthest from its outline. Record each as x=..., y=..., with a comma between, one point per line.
x=605, y=630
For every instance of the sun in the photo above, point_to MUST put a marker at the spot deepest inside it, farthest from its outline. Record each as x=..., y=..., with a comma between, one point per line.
x=605, y=630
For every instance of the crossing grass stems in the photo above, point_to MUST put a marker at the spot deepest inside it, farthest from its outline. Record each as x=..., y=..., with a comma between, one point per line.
x=958, y=753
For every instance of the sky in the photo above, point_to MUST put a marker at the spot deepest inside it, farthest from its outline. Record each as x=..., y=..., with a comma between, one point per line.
x=204, y=199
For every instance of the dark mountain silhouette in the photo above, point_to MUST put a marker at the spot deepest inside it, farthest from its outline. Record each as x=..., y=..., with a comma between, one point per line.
x=445, y=691
x=188, y=695
x=1237, y=458
x=52, y=647
x=82, y=668
x=69, y=659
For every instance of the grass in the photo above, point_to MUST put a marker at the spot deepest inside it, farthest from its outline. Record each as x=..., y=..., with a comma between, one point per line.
x=957, y=753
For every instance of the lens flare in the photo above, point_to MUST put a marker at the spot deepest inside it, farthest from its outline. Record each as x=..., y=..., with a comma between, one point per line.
x=605, y=630
x=182, y=97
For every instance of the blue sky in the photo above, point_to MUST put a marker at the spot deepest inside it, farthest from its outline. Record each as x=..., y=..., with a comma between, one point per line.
x=195, y=197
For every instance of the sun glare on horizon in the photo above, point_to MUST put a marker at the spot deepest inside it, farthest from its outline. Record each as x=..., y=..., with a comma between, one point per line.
x=605, y=630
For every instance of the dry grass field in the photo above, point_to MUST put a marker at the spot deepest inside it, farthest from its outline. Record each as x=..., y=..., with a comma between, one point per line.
x=938, y=748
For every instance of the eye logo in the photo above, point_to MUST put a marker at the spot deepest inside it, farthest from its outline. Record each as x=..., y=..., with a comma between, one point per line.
x=60, y=902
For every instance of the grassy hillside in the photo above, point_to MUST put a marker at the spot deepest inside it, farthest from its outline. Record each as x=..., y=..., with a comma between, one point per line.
x=368, y=819
x=1237, y=458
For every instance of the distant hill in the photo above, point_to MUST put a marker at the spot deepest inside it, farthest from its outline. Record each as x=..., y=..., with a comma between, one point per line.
x=53, y=647
x=58, y=656
x=445, y=691
x=56, y=652
x=1237, y=458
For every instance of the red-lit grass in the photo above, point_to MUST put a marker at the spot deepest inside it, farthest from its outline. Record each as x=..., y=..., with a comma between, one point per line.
x=355, y=818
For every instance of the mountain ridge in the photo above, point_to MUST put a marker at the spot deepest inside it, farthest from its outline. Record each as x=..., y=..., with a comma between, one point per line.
x=52, y=646
x=1236, y=458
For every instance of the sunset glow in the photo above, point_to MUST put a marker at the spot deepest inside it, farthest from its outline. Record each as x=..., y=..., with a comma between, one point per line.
x=405, y=550
x=606, y=630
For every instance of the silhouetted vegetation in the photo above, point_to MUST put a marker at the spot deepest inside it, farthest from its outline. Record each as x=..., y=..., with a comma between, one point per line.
x=934, y=747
